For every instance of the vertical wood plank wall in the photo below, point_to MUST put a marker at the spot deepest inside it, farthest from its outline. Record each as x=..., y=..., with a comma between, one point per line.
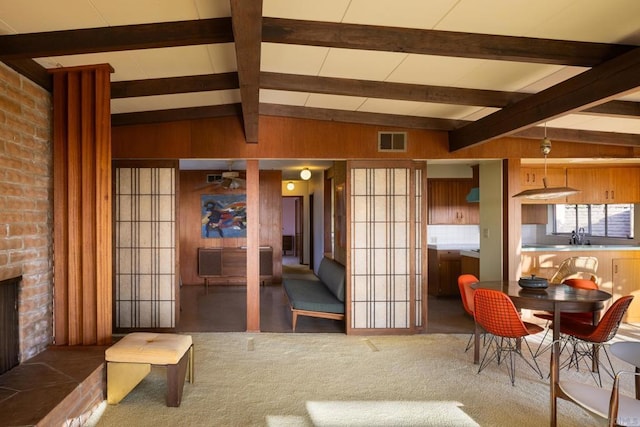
x=82, y=205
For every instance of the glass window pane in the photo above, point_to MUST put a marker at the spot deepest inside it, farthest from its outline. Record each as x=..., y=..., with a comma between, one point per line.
x=620, y=218
x=565, y=218
x=598, y=220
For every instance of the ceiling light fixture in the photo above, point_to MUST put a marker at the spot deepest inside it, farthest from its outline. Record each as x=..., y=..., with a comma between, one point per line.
x=305, y=174
x=546, y=192
x=290, y=186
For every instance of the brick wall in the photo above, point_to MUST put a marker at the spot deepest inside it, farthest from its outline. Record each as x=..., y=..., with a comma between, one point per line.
x=26, y=203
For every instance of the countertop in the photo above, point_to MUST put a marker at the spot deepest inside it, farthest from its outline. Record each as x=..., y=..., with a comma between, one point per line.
x=569, y=248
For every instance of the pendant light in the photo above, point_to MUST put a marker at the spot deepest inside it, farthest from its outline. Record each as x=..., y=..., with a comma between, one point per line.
x=546, y=192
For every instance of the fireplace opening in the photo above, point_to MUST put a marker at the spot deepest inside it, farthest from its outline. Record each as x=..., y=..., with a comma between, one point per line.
x=9, y=338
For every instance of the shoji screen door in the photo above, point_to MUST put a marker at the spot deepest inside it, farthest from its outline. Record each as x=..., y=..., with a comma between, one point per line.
x=145, y=247
x=387, y=263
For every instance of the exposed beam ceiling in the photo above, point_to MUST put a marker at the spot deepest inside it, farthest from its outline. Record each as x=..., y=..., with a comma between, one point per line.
x=595, y=92
x=593, y=87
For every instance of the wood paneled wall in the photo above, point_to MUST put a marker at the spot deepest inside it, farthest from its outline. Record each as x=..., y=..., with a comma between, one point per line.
x=287, y=138
x=82, y=205
x=192, y=186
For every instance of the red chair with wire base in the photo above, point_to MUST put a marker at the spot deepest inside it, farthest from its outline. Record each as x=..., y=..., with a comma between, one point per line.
x=576, y=283
x=588, y=339
x=495, y=313
x=466, y=292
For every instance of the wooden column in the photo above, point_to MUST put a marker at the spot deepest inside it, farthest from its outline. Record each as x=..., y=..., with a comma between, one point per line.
x=82, y=205
x=512, y=220
x=253, y=246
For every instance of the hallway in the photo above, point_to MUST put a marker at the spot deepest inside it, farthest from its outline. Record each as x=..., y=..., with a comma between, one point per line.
x=223, y=309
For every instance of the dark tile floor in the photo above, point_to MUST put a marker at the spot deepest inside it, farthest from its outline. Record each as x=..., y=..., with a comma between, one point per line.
x=223, y=309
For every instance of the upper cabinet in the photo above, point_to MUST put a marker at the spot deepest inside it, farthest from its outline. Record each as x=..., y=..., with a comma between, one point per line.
x=604, y=185
x=448, y=203
x=533, y=177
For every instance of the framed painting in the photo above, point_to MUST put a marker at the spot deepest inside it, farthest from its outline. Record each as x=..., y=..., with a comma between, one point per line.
x=223, y=215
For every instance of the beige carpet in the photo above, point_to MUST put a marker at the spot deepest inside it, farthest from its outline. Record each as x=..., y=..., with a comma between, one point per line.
x=281, y=380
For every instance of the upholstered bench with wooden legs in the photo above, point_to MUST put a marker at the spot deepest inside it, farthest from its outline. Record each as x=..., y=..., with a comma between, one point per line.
x=129, y=361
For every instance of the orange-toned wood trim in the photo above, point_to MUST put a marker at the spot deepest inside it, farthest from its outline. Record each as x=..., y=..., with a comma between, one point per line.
x=511, y=220
x=82, y=223
x=60, y=210
x=253, y=246
x=292, y=138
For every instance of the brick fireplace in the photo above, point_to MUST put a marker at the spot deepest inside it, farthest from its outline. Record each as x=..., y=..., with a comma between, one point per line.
x=26, y=217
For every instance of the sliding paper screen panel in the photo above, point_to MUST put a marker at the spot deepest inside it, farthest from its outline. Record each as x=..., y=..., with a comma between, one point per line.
x=385, y=256
x=145, y=252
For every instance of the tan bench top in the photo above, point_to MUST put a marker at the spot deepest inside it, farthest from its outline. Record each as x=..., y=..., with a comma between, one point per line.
x=148, y=347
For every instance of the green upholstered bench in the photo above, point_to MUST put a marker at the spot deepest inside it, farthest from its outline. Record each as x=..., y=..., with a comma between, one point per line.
x=322, y=296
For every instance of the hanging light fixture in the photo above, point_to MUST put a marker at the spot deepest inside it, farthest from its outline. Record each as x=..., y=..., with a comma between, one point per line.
x=546, y=192
x=305, y=174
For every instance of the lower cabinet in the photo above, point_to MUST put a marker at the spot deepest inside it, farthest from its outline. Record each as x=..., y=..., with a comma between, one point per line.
x=625, y=272
x=229, y=265
x=444, y=269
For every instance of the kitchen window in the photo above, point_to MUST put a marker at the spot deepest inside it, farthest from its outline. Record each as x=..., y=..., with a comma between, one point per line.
x=596, y=220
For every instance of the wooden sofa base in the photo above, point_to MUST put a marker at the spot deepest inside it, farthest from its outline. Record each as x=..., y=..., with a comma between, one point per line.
x=322, y=314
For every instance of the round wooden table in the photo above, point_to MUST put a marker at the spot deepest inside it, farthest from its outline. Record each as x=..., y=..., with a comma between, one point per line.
x=555, y=299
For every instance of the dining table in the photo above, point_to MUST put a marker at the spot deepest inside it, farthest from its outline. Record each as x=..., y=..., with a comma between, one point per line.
x=556, y=299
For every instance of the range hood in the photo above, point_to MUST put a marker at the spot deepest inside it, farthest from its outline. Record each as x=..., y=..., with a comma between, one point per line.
x=474, y=195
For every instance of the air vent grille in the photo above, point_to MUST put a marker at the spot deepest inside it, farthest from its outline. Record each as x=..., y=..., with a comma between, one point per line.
x=213, y=178
x=392, y=141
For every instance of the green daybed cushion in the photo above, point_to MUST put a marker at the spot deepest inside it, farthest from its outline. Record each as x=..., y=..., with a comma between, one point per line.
x=312, y=295
x=332, y=274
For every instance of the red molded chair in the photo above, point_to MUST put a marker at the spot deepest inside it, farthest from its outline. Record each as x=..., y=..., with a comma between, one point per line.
x=466, y=292
x=495, y=313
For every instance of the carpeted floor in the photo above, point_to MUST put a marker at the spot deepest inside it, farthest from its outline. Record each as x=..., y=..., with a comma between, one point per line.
x=279, y=380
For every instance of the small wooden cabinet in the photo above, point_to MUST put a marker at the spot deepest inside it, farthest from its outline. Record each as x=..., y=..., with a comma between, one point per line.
x=604, y=185
x=444, y=268
x=448, y=203
x=229, y=265
x=533, y=177
x=535, y=214
x=625, y=272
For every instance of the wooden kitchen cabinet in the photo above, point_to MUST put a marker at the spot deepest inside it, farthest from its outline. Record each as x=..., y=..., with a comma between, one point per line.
x=533, y=177
x=444, y=268
x=535, y=214
x=447, y=200
x=625, y=272
x=604, y=185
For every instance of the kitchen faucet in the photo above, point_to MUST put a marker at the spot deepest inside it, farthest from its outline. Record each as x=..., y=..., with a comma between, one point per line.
x=581, y=236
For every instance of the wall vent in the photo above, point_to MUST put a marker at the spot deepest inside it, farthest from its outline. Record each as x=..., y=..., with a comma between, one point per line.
x=213, y=177
x=392, y=141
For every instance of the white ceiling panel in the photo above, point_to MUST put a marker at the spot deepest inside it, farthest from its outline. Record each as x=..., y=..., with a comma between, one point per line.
x=501, y=75
x=283, y=97
x=45, y=15
x=360, y=64
x=293, y=59
x=181, y=100
x=399, y=13
x=222, y=57
x=128, y=12
x=412, y=108
x=431, y=70
x=312, y=10
x=560, y=75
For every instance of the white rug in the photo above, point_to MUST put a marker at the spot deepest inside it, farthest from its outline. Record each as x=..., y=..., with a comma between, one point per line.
x=285, y=380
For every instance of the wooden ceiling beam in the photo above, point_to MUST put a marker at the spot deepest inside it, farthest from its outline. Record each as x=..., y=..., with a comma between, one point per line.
x=174, y=115
x=118, y=38
x=172, y=85
x=442, y=43
x=612, y=79
x=246, y=16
